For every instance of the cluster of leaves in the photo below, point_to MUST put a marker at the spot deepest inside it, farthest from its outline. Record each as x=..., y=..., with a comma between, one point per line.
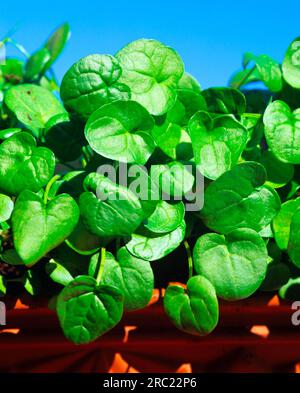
x=95, y=257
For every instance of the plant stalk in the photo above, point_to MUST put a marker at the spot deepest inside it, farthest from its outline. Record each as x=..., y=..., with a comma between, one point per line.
x=190, y=259
x=48, y=187
x=102, y=263
x=245, y=77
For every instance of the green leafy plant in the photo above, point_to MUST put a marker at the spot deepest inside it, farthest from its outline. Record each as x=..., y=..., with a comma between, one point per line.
x=94, y=244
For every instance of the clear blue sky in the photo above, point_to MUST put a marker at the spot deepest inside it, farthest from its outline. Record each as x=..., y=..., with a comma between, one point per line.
x=211, y=36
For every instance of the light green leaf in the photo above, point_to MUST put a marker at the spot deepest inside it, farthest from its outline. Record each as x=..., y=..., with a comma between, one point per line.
x=152, y=71
x=217, y=142
x=121, y=131
x=194, y=310
x=282, y=131
x=235, y=264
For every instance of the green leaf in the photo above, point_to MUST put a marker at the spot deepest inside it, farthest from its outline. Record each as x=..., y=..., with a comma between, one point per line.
x=87, y=310
x=109, y=209
x=282, y=131
x=268, y=70
x=217, y=142
x=23, y=165
x=224, y=100
x=56, y=42
x=278, y=274
x=82, y=241
x=278, y=173
x=8, y=132
x=11, y=72
x=166, y=217
x=167, y=137
x=282, y=222
x=235, y=264
x=291, y=290
x=92, y=82
x=190, y=102
x=32, y=283
x=188, y=82
x=151, y=247
x=36, y=64
x=133, y=276
x=32, y=105
x=244, y=77
x=173, y=179
x=11, y=257
x=291, y=64
x=121, y=131
x=64, y=137
x=239, y=199
x=38, y=228
x=294, y=239
x=6, y=207
x=152, y=71
x=58, y=272
x=194, y=310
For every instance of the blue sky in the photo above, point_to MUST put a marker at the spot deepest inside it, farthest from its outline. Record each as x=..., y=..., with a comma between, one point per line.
x=211, y=36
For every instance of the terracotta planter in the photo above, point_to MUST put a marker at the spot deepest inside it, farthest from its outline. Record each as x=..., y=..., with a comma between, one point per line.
x=253, y=335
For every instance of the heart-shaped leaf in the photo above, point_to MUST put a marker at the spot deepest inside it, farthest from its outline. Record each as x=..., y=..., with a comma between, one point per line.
x=109, y=209
x=33, y=106
x=239, y=199
x=6, y=207
x=235, y=264
x=151, y=247
x=152, y=71
x=217, y=142
x=39, y=227
x=87, y=310
x=121, y=131
x=194, y=310
x=92, y=82
x=282, y=222
x=291, y=64
x=282, y=131
x=133, y=276
x=23, y=165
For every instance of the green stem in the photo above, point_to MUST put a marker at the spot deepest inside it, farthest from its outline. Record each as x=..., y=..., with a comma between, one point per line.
x=253, y=115
x=48, y=187
x=245, y=77
x=190, y=259
x=18, y=46
x=102, y=263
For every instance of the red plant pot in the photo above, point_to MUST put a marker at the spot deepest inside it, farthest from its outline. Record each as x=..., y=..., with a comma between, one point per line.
x=255, y=335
